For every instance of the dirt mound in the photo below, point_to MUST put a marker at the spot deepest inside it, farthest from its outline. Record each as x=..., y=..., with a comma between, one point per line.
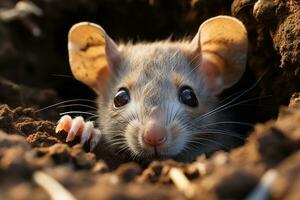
x=29, y=147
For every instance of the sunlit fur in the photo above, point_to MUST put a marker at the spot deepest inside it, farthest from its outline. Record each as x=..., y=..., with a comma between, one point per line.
x=152, y=70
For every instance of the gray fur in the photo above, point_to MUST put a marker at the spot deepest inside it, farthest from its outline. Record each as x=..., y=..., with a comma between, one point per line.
x=151, y=66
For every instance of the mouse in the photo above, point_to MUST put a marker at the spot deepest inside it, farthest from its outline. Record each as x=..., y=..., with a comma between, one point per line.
x=158, y=100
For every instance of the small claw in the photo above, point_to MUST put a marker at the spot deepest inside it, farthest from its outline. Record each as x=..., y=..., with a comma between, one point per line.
x=76, y=129
x=96, y=136
x=86, y=132
x=64, y=124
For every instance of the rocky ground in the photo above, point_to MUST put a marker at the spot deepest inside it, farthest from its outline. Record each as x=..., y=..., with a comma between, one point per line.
x=36, y=163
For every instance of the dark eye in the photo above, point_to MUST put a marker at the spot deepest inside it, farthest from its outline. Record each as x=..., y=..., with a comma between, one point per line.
x=121, y=98
x=188, y=97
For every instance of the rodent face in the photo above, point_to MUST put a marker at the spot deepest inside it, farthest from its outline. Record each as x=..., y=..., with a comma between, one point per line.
x=150, y=118
x=149, y=91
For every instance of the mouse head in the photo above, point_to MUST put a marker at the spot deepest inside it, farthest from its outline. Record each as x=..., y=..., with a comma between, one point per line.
x=153, y=95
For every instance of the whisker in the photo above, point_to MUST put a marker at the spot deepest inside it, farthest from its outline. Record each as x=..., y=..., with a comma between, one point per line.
x=77, y=112
x=201, y=117
x=64, y=102
x=92, y=119
x=118, y=143
x=117, y=137
x=217, y=131
x=116, y=133
x=195, y=143
x=80, y=105
x=130, y=117
x=213, y=141
x=227, y=122
x=192, y=147
x=235, y=98
x=232, y=95
x=123, y=148
x=63, y=75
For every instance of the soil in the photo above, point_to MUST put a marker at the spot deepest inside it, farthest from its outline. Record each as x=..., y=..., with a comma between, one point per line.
x=29, y=145
x=34, y=74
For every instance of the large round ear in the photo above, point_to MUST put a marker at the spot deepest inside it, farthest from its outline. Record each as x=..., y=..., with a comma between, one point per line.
x=222, y=44
x=92, y=55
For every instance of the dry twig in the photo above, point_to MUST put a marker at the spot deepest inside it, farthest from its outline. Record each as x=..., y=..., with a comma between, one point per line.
x=181, y=182
x=262, y=189
x=54, y=188
x=21, y=11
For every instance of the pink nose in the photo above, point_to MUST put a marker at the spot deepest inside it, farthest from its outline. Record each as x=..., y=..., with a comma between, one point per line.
x=155, y=134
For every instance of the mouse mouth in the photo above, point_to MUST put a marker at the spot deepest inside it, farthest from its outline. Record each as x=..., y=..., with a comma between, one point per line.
x=156, y=154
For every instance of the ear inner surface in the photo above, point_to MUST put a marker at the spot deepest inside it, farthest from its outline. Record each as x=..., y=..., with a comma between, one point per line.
x=223, y=43
x=210, y=69
x=88, y=54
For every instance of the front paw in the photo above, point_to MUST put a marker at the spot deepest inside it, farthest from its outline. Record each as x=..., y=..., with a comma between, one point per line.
x=78, y=127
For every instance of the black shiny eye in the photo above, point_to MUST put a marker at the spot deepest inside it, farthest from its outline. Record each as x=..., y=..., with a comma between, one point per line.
x=121, y=98
x=188, y=97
